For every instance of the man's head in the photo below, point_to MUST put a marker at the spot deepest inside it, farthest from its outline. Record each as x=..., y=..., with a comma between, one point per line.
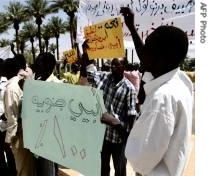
x=117, y=68
x=20, y=61
x=75, y=67
x=11, y=68
x=44, y=65
x=164, y=49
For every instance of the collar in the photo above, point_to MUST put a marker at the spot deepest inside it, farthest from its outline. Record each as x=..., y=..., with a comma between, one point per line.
x=155, y=83
x=120, y=82
x=3, y=79
x=12, y=79
x=52, y=78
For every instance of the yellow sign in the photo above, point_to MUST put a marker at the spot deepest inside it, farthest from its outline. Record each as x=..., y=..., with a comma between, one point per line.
x=105, y=39
x=71, y=55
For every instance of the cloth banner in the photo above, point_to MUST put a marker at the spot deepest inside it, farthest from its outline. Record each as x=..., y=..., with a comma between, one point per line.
x=5, y=52
x=149, y=14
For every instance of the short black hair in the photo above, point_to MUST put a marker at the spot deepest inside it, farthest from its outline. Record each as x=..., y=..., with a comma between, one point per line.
x=48, y=60
x=20, y=61
x=168, y=43
x=11, y=68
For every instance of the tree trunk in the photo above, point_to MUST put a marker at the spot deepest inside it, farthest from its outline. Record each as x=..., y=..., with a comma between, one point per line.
x=39, y=37
x=39, y=22
x=57, y=45
x=16, y=27
x=32, y=49
x=46, y=44
x=57, y=64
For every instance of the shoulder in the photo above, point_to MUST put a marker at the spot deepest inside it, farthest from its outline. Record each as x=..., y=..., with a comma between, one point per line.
x=128, y=84
x=53, y=78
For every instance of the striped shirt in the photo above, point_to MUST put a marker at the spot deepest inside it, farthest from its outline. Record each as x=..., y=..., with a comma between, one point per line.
x=119, y=100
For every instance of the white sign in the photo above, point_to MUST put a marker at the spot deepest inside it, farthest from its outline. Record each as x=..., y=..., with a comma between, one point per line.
x=149, y=14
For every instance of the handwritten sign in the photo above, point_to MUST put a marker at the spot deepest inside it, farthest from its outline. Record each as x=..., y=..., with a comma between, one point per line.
x=149, y=14
x=61, y=122
x=71, y=55
x=105, y=39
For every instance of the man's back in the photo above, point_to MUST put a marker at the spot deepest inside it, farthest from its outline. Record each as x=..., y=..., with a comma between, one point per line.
x=166, y=120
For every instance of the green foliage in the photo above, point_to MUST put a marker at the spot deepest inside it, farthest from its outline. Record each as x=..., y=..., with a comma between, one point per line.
x=4, y=42
x=29, y=57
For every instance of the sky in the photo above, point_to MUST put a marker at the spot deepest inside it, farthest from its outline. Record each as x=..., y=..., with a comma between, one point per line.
x=64, y=40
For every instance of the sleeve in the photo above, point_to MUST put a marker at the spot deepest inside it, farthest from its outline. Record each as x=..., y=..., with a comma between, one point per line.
x=131, y=102
x=11, y=102
x=149, y=140
x=96, y=78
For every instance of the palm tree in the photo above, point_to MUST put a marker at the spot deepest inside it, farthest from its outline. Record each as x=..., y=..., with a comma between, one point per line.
x=57, y=27
x=70, y=8
x=52, y=48
x=22, y=45
x=43, y=46
x=4, y=25
x=4, y=42
x=15, y=14
x=38, y=9
x=28, y=32
x=46, y=35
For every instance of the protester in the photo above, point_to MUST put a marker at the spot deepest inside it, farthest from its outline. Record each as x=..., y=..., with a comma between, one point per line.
x=134, y=76
x=3, y=161
x=12, y=105
x=106, y=66
x=119, y=100
x=43, y=69
x=73, y=76
x=159, y=141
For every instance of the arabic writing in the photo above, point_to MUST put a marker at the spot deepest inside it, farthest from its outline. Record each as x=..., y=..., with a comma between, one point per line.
x=46, y=121
x=144, y=33
x=71, y=55
x=103, y=37
x=74, y=152
x=48, y=103
x=149, y=14
x=143, y=7
x=75, y=108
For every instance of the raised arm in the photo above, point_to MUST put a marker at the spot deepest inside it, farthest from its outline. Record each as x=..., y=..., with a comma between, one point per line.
x=83, y=59
x=129, y=21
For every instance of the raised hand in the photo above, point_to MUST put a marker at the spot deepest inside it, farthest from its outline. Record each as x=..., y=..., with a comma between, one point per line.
x=128, y=17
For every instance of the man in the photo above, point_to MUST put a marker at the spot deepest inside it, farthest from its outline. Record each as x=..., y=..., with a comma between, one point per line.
x=12, y=105
x=159, y=141
x=119, y=99
x=3, y=163
x=43, y=68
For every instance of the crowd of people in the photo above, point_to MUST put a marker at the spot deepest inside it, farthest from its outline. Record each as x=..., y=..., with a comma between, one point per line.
x=148, y=107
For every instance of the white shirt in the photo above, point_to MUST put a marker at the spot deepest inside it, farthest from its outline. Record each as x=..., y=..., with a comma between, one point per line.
x=3, y=81
x=12, y=105
x=53, y=78
x=159, y=142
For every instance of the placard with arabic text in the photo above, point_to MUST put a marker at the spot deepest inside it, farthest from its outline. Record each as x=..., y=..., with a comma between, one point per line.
x=105, y=39
x=61, y=122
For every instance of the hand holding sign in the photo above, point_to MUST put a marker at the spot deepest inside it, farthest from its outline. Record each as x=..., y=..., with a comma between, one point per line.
x=128, y=17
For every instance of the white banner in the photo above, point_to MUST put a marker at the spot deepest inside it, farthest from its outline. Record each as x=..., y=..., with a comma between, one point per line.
x=149, y=14
x=5, y=52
